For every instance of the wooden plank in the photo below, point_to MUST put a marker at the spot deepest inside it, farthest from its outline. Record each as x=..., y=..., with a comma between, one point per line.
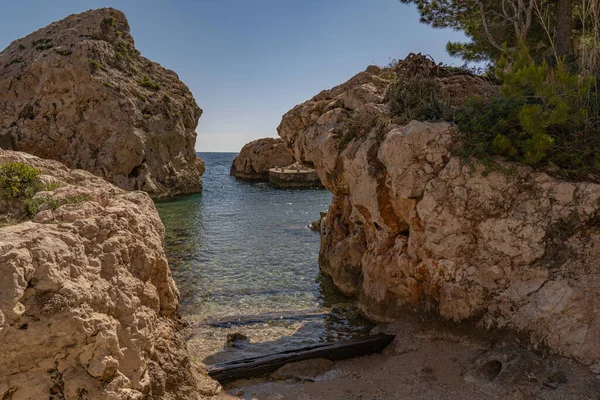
x=256, y=366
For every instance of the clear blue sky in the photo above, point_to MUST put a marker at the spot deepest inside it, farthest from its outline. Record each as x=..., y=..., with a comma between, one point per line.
x=248, y=62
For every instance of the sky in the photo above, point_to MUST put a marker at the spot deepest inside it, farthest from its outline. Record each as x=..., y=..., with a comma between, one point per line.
x=248, y=62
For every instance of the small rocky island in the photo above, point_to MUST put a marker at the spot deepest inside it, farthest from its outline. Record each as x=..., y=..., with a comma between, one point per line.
x=270, y=160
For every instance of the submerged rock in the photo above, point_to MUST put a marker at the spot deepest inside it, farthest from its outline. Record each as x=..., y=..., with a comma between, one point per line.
x=412, y=227
x=257, y=157
x=78, y=91
x=88, y=307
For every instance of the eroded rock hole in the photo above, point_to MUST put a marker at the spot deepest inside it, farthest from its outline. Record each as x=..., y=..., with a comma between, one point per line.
x=136, y=171
x=490, y=370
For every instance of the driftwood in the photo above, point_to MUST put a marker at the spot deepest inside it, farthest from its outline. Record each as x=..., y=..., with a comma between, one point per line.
x=257, y=366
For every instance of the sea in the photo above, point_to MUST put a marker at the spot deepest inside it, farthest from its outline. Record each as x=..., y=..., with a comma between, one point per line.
x=246, y=265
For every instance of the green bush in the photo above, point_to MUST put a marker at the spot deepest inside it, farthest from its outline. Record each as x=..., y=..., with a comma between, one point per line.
x=360, y=123
x=109, y=21
x=545, y=115
x=13, y=61
x=94, y=65
x=417, y=98
x=19, y=180
x=123, y=50
x=42, y=44
x=149, y=83
x=63, y=52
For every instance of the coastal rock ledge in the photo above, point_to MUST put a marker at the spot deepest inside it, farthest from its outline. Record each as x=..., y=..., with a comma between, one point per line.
x=414, y=228
x=258, y=156
x=78, y=91
x=88, y=307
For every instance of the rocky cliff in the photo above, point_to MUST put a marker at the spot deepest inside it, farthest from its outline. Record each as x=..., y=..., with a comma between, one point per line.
x=88, y=308
x=78, y=91
x=258, y=156
x=414, y=228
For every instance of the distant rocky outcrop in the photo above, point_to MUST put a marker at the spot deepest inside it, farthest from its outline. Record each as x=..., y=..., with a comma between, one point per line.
x=412, y=227
x=88, y=307
x=78, y=91
x=258, y=156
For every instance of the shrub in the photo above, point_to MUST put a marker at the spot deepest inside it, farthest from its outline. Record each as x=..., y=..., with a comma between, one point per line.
x=42, y=44
x=109, y=21
x=123, y=50
x=19, y=180
x=546, y=115
x=21, y=46
x=360, y=123
x=417, y=98
x=94, y=65
x=149, y=83
x=13, y=61
x=63, y=52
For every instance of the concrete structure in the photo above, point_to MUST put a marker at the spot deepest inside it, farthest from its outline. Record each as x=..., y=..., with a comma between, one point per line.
x=294, y=176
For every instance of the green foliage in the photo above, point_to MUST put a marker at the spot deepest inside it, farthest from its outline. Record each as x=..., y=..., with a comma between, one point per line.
x=19, y=180
x=13, y=61
x=166, y=98
x=123, y=50
x=360, y=123
x=94, y=65
x=63, y=52
x=21, y=46
x=109, y=85
x=42, y=44
x=147, y=82
x=109, y=21
x=545, y=115
x=417, y=98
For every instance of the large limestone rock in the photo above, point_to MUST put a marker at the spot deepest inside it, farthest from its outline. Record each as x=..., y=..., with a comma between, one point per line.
x=78, y=91
x=258, y=156
x=88, y=307
x=413, y=228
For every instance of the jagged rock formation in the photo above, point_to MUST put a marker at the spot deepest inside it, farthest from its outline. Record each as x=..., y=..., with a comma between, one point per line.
x=78, y=91
x=88, y=308
x=412, y=227
x=258, y=156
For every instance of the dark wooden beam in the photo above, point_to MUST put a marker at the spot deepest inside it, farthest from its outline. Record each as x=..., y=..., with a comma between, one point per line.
x=256, y=366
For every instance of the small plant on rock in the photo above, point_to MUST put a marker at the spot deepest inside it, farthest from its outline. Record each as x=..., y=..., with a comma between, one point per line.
x=19, y=180
x=147, y=82
x=63, y=52
x=94, y=65
x=109, y=21
x=417, y=98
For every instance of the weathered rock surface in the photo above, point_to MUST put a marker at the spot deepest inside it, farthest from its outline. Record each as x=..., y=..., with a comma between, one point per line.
x=257, y=157
x=78, y=91
x=412, y=227
x=88, y=307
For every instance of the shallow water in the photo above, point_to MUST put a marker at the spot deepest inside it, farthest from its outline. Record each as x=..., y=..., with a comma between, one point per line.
x=245, y=262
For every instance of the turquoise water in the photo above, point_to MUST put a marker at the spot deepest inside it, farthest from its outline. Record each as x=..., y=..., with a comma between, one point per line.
x=245, y=262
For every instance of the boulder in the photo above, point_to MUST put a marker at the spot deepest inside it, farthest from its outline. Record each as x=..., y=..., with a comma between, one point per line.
x=88, y=307
x=78, y=91
x=412, y=227
x=257, y=157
